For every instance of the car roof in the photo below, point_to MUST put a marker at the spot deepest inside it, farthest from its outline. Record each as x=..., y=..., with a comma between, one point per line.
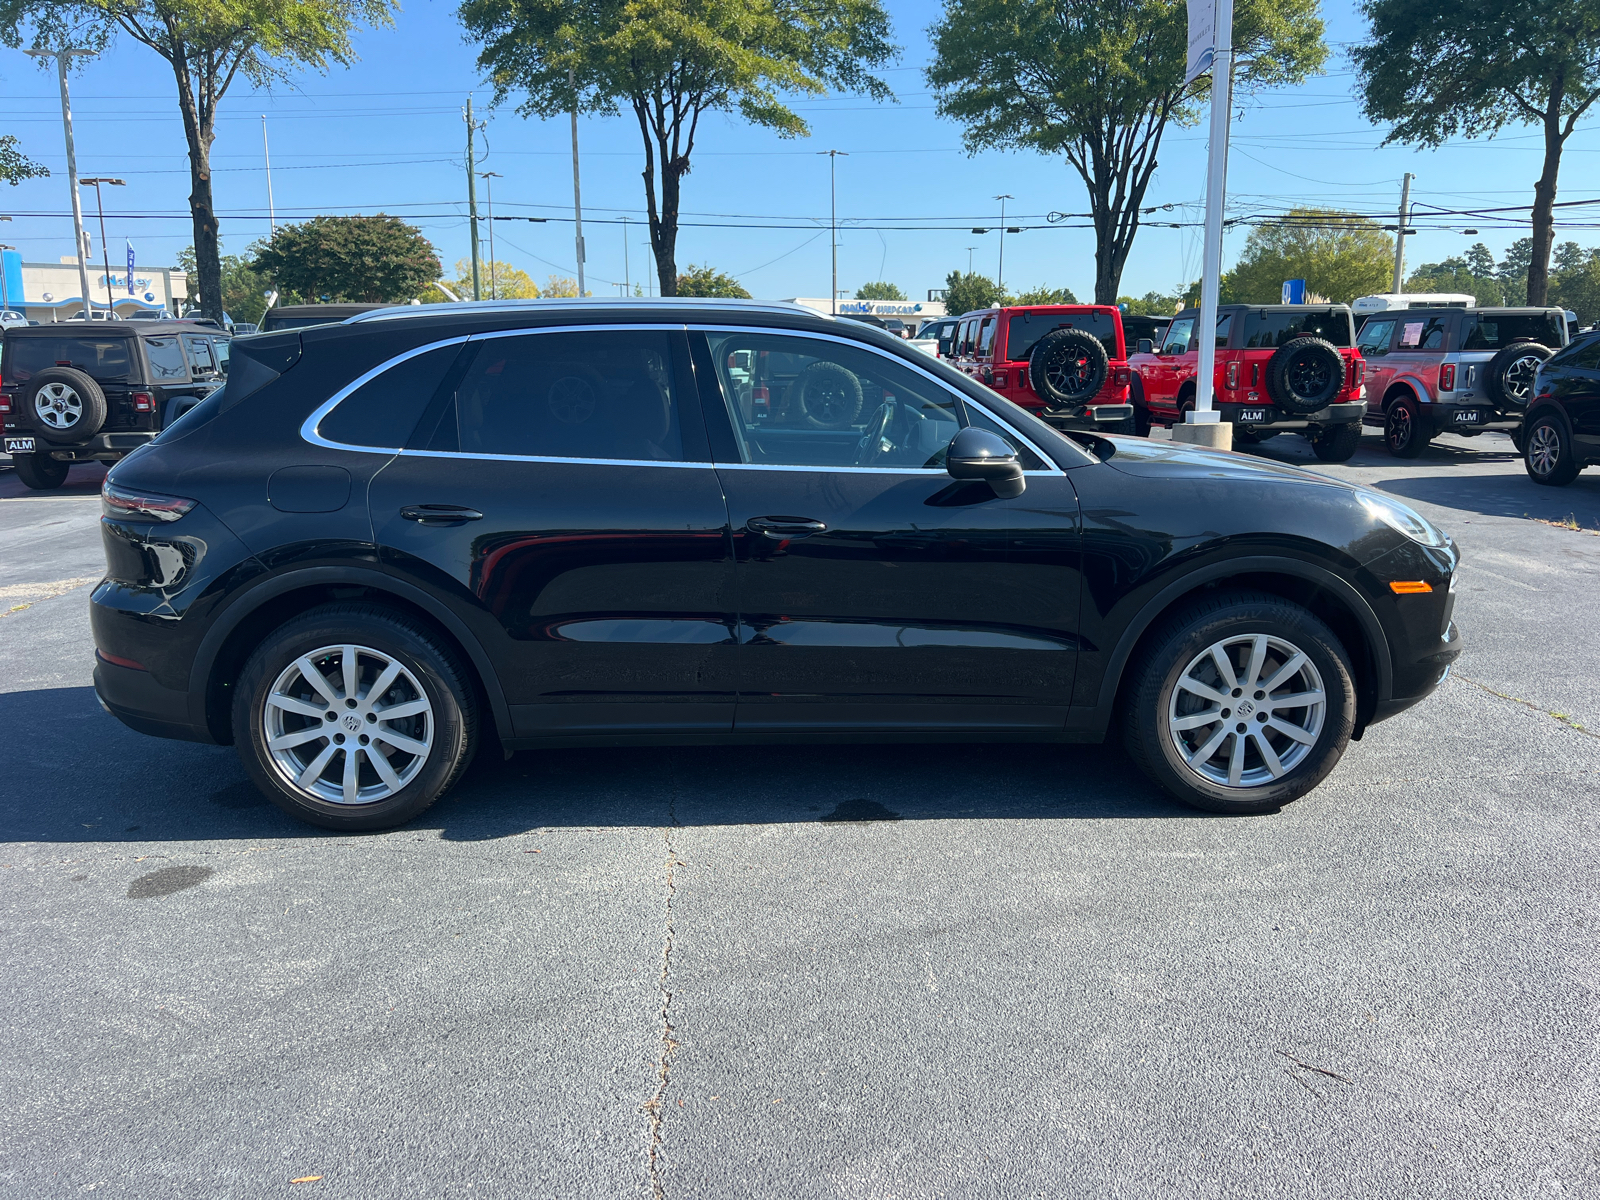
x=652, y=307
x=129, y=328
x=332, y=310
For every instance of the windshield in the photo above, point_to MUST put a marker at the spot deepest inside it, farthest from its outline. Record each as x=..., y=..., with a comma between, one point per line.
x=103, y=358
x=1494, y=331
x=1028, y=328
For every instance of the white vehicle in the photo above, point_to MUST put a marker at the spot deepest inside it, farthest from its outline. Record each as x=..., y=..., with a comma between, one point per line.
x=928, y=337
x=1386, y=301
x=12, y=317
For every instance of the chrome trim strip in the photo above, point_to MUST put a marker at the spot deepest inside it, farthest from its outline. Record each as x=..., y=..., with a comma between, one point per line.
x=535, y=458
x=400, y=312
x=930, y=376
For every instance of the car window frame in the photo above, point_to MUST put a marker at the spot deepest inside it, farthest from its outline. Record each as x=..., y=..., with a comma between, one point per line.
x=1191, y=322
x=1388, y=340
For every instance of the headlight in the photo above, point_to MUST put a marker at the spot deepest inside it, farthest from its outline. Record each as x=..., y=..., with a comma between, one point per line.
x=1403, y=520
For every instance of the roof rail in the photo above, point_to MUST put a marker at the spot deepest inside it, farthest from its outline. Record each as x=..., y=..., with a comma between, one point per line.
x=403, y=312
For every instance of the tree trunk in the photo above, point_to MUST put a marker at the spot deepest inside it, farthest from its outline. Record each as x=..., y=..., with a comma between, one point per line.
x=199, y=130
x=1544, y=202
x=664, y=233
x=1117, y=174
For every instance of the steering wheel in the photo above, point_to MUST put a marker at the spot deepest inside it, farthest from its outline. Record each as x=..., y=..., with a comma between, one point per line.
x=875, y=443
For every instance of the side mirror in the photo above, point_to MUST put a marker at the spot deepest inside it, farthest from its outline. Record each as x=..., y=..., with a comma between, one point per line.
x=945, y=346
x=1146, y=346
x=976, y=454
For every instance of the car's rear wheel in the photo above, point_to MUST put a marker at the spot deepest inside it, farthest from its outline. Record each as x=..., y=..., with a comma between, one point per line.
x=1337, y=443
x=1549, y=456
x=1243, y=704
x=354, y=717
x=39, y=471
x=1405, y=430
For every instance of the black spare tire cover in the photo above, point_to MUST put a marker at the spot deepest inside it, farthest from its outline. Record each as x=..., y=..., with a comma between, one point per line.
x=1067, y=366
x=1508, y=381
x=65, y=405
x=1304, y=375
x=827, y=396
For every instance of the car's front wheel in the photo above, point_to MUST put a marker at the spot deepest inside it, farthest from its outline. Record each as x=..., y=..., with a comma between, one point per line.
x=1548, y=453
x=354, y=717
x=1242, y=704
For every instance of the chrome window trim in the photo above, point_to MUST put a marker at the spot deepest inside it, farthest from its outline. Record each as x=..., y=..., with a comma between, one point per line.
x=401, y=312
x=1051, y=467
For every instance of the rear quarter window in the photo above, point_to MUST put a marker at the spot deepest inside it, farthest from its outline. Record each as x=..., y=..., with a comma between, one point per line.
x=1268, y=330
x=166, y=360
x=382, y=412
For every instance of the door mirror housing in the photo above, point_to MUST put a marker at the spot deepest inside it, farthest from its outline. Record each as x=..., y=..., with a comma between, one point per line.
x=1146, y=346
x=977, y=455
x=946, y=345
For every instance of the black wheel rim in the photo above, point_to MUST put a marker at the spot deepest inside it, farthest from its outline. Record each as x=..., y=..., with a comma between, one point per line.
x=1399, y=427
x=1309, y=376
x=826, y=402
x=1069, y=372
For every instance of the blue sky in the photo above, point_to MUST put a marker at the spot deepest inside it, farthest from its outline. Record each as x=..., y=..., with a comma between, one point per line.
x=388, y=135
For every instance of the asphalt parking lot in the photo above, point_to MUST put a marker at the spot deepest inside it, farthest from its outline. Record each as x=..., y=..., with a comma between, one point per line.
x=848, y=972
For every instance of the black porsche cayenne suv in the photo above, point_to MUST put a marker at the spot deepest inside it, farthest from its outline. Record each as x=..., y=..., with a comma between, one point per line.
x=386, y=542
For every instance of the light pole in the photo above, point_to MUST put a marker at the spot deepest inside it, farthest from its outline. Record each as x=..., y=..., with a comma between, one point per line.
x=61, y=57
x=5, y=288
x=1000, y=274
x=833, y=224
x=266, y=156
x=970, y=249
x=577, y=195
x=105, y=253
x=488, y=188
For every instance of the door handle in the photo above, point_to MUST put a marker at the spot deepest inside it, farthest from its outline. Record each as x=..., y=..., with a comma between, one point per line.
x=439, y=514
x=785, y=528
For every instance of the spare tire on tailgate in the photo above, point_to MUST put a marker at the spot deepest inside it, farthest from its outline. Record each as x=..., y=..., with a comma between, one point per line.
x=1508, y=379
x=65, y=405
x=1067, y=366
x=1304, y=375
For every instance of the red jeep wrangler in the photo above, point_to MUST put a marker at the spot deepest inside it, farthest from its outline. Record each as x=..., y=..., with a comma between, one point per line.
x=1279, y=367
x=1065, y=363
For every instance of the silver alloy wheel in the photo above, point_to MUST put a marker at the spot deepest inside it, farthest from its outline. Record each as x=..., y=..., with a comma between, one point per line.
x=1544, y=449
x=347, y=725
x=1247, y=710
x=58, y=406
x=1519, y=376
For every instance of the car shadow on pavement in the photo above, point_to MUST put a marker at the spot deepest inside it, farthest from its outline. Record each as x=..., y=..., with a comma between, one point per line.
x=123, y=787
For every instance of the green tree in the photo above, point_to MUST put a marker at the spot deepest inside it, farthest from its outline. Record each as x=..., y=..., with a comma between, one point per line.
x=505, y=282
x=207, y=44
x=965, y=292
x=708, y=281
x=1513, y=271
x=1488, y=64
x=879, y=291
x=1151, y=304
x=377, y=259
x=244, y=290
x=670, y=62
x=1044, y=294
x=1457, y=275
x=1576, y=282
x=1480, y=262
x=1098, y=81
x=1340, y=256
x=14, y=165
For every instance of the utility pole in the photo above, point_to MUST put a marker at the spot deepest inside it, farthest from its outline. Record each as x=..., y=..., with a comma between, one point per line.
x=105, y=250
x=1000, y=274
x=970, y=249
x=472, y=203
x=627, y=286
x=1204, y=412
x=833, y=223
x=61, y=57
x=488, y=187
x=577, y=194
x=1400, y=232
x=5, y=287
x=266, y=154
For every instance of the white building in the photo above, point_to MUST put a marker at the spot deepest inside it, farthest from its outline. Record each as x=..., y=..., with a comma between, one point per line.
x=46, y=292
x=912, y=312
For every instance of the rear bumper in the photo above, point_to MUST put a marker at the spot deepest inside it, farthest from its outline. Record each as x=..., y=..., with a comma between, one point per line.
x=1448, y=415
x=142, y=704
x=1274, y=418
x=102, y=447
x=1086, y=416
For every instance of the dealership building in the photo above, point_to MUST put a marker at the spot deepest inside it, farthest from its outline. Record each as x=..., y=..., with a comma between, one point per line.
x=47, y=292
x=912, y=312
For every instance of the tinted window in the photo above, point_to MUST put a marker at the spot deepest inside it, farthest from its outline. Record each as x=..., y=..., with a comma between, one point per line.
x=383, y=411
x=1224, y=327
x=1027, y=328
x=201, y=360
x=986, y=337
x=103, y=358
x=799, y=401
x=1422, y=334
x=1374, y=339
x=567, y=395
x=219, y=347
x=1264, y=330
x=1584, y=355
x=166, y=359
x=1493, y=332
x=1178, y=335
x=964, y=338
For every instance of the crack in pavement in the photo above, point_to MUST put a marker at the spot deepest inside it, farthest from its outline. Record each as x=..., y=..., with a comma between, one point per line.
x=655, y=1107
x=1562, y=717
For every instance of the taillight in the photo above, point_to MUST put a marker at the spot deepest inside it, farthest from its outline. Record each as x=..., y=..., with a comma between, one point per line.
x=143, y=402
x=125, y=505
x=1447, y=377
x=5, y=403
x=1000, y=379
x=1231, y=380
x=761, y=402
x=1358, y=372
x=1123, y=375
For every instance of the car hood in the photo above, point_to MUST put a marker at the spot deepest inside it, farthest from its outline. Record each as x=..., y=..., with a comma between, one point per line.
x=1173, y=460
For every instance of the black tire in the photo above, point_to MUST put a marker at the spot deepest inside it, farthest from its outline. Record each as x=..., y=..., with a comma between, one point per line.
x=64, y=405
x=1337, y=443
x=1128, y=426
x=1508, y=379
x=826, y=396
x=1405, y=429
x=1253, y=437
x=1304, y=375
x=1153, y=679
x=40, y=472
x=432, y=667
x=1141, y=414
x=1549, y=457
x=1067, y=366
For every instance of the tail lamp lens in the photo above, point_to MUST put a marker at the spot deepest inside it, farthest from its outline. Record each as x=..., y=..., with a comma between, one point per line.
x=5, y=404
x=1000, y=379
x=1232, y=377
x=143, y=402
x=1358, y=372
x=1447, y=377
x=1123, y=375
x=125, y=505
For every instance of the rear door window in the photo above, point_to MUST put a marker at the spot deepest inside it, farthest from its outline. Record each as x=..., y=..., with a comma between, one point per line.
x=1266, y=330
x=167, y=363
x=1374, y=339
x=219, y=347
x=1422, y=333
x=103, y=358
x=1495, y=332
x=201, y=359
x=1025, y=329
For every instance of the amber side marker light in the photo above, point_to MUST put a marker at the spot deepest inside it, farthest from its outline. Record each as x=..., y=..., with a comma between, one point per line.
x=1409, y=587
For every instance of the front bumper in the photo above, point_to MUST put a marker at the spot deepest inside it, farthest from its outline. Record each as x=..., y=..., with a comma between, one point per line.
x=1273, y=418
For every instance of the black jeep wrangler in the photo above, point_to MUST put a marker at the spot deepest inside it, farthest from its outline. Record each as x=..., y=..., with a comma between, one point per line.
x=74, y=392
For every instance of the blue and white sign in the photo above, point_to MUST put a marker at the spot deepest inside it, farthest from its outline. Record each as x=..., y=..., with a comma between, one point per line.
x=130, y=268
x=1202, y=38
x=1294, y=291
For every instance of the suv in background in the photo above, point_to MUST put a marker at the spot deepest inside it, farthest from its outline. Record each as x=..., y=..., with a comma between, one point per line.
x=1464, y=370
x=1561, y=433
x=74, y=394
x=1065, y=363
x=1280, y=367
x=935, y=337
x=300, y=316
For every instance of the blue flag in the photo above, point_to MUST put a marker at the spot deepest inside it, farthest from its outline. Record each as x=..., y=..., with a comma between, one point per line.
x=130, y=268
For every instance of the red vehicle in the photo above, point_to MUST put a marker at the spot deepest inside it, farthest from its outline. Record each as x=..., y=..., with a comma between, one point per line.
x=1065, y=363
x=1280, y=367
